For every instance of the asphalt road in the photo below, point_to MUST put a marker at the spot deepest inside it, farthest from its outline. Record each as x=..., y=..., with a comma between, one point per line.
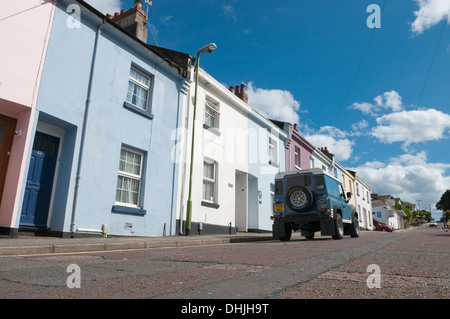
x=398, y=265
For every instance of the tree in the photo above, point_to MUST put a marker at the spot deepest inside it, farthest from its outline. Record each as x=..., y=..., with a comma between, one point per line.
x=444, y=202
x=444, y=205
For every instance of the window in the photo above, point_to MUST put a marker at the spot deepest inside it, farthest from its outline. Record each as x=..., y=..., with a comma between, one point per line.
x=209, y=181
x=297, y=156
x=273, y=156
x=138, y=89
x=129, y=179
x=211, y=115
x=357, y=189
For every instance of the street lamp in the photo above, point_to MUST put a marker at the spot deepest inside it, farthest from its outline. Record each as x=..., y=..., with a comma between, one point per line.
x=207, y=48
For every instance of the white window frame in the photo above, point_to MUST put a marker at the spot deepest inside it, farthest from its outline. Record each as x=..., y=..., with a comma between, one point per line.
x=146, y=87
x=297, y=157
x=211, y=181
x=212, y=110
x=273, y=151
x=131, y=176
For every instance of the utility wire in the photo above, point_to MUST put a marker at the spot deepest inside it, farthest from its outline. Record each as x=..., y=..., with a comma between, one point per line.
x=357, y=70
x=429, y=71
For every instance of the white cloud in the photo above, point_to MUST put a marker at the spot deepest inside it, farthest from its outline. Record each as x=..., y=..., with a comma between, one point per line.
x=410, y=177
x=335, y=140
x=106, y=6
x=388, y=101
x=229, y=12
x=360, y=125
x=412, y=126
x=430, y=13
x=274, y=104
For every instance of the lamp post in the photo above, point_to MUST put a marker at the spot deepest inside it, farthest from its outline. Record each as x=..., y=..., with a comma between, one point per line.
x=207, y=48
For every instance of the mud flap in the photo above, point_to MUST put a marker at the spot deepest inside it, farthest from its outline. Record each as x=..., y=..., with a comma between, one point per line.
x=328, y=227
x=278, y=230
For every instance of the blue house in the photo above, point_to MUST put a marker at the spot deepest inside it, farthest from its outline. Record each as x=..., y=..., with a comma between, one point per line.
x=102, y=158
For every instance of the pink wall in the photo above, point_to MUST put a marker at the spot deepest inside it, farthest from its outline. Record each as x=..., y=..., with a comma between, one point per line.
x=24, y=34
x=305, y=151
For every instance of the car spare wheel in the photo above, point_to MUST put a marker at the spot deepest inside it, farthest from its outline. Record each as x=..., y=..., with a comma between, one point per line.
x=299, y=198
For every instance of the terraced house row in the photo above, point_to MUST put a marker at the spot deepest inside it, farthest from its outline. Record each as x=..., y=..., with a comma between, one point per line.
x=97, y=133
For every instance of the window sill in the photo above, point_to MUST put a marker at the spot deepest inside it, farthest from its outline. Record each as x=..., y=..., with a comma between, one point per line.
x=211, y=129
x=210, y=205
x=138, y=111
x=274, y=164
x=128, y=210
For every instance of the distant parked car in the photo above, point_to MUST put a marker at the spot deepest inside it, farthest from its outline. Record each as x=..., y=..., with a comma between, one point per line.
x=433, y=224
x=383, y=227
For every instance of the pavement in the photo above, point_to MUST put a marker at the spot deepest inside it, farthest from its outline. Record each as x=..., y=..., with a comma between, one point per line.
x=35, y=245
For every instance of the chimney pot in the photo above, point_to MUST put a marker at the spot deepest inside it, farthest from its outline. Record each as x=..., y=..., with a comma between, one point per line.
x=133, y=21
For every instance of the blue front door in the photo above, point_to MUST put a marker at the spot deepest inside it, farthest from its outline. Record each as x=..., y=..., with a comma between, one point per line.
x=38, y=191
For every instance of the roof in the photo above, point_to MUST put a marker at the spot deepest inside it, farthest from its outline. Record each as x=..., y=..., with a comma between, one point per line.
x=314, y=171
x=175, y=59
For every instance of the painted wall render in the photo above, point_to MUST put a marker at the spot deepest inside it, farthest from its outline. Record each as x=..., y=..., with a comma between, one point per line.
x=91, y=65
x=21, y=62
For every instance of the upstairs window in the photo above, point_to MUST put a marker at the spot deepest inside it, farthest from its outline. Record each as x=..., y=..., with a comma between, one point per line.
x=297, y=156
x=138, y=89
x=211, y=115
x=273, y=151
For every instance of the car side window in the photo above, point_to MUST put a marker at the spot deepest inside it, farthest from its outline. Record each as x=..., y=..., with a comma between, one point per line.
x=341, y=190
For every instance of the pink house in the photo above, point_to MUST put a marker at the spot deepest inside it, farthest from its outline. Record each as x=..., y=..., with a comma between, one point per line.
x=298, y=149
x=24, y=33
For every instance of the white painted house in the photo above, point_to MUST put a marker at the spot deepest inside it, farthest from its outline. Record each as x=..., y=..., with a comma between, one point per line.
x=220, y=161
x=385, y=212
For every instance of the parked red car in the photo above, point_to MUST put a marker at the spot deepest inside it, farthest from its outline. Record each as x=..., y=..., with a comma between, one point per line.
x=383, y=227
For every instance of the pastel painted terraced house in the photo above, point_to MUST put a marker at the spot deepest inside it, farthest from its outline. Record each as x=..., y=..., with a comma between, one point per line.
x=101, y=156
x=220, y=160
x=237, y=153
x=25, y=28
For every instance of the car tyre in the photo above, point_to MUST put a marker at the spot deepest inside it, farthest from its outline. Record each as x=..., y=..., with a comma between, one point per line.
x=354, y=232
x=299, y=198
x=309, y=235
x=339, y=224
x=287, y=232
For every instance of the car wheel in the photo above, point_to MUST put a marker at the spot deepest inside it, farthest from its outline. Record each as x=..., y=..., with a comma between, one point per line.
x=287, y=233
x=299, y=198
x=354, y=232
x=339, y=227
x=309, y=235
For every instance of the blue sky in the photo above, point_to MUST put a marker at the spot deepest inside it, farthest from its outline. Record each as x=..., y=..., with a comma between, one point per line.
x=379, y=98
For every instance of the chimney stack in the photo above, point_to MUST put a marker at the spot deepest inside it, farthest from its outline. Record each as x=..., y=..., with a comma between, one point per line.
x=133, y=20
x=240, y=93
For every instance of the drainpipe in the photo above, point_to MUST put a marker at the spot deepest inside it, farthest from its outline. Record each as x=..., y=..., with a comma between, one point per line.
x=83, y=132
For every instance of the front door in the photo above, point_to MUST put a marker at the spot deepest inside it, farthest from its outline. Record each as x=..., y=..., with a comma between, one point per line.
x=41, y=173
x=7, y=126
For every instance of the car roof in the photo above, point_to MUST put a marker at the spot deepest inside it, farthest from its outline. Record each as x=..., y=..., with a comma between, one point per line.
x=314, y=171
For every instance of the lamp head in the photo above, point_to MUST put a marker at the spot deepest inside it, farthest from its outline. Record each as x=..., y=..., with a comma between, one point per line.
x=207, y=48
